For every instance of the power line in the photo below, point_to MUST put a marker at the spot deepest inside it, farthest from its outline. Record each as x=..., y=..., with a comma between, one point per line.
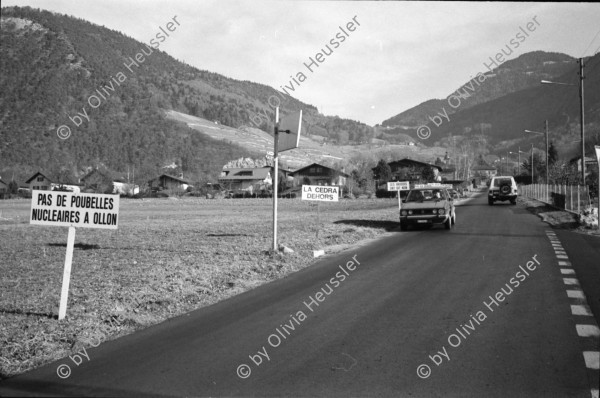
x=588, y=46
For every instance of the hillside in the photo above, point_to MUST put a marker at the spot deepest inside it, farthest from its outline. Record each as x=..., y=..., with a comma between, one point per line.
x=505, y=118
x=310, y=150
x=62, y=71
x=514, y=75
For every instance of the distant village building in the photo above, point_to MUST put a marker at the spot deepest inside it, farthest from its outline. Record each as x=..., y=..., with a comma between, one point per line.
x=590, y=164
x=246, y=179
x=166, y=181
x=484, y=171
x=411, y=170
x=317, y=174
x=45, y=182
x=117, y=183
x=3, y=188
x=39, y=182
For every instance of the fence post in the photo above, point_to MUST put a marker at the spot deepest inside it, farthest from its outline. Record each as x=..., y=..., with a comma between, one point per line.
x=578, y=211
x=571, y=196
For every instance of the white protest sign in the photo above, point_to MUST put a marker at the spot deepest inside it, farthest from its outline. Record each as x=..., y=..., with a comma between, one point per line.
x=320, y=192
x=398, y=186
x=433, y=185
x=69, y=209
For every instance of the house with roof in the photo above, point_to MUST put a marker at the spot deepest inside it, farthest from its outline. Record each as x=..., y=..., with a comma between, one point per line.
x=167, y=181
x=410, y=170
x=590, y=164
x=3, y=188
x=39, y=181
x=317, y=174
x=484, y=171
x=104, y=179
x=246, y=179
x=44, y=181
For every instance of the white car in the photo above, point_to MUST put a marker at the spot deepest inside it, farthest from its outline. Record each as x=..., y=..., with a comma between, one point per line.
x=501, y=189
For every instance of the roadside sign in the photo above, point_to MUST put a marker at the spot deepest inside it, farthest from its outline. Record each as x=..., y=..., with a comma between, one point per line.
x=293, y=124
x=323, y=193
x=398, y=186
x=69, y=209
x=433, y=185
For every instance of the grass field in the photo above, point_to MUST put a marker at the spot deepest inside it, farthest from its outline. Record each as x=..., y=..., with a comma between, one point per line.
x=168, y=257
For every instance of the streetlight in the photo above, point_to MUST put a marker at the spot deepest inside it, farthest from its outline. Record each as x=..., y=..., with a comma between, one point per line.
x=519, y=165
x=581, y=114
x=546, y=133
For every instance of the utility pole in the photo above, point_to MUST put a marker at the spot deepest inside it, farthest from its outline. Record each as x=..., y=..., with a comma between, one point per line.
x=532, y=163
x=547, y=157
x=547, y=153
x=276, y=176
x=581, y=114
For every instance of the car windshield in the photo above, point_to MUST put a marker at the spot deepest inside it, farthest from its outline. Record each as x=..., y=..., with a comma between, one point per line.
x=501, y=181
x=424, y=195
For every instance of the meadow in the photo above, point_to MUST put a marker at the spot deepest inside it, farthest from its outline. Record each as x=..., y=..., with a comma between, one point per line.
x=168, y=257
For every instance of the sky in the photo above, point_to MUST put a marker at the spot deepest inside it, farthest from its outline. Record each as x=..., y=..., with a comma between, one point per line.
x=398, y=55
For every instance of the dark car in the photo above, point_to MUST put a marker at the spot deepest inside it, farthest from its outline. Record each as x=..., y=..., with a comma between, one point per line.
x=427, y=206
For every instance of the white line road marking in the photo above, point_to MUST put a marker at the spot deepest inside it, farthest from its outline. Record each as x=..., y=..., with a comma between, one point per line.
x=580, y=309
x=570, y=281
x=578, y=294
x=567, y=271
x=592, y=359
x=562, y=256
x=564, y=263
x=588, y=330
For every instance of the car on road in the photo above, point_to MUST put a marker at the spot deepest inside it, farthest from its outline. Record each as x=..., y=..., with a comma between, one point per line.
x=427, y=206
x=501, y=189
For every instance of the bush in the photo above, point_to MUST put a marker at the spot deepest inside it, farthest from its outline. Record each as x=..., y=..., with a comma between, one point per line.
x=384, y=193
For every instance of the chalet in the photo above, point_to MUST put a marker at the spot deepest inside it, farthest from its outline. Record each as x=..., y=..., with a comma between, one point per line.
x=39, y=182
x=3, y=188
x=484, y=171
x=448, y=172
x=97, y=178
x=166, y=181
x=246, y=179
x=411, y=170
x=317, y=174
x=46, y=182
x=590, y=164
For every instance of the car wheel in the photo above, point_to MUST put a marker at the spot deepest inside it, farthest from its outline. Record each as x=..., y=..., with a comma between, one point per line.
x=514, y=202
x=505, y=189
x=448, y=223
x=403, y=226
x=454, y=218
x=490, y=202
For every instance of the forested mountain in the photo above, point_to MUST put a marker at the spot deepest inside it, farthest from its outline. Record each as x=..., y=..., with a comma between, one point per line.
x=514, y=75
x=505, y=118
x=63, y=71
x=496, y=112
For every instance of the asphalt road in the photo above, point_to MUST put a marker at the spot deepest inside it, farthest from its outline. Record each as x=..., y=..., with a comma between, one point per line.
x=414, y=298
